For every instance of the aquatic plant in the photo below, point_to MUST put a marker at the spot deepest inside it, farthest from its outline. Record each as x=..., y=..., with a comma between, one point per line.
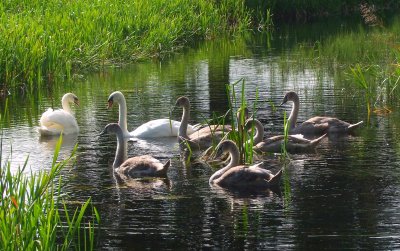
x=34, y=213
x=286, y=126
x=36, y=217
x=285, y=158
x=360, y=80
x=242, y=138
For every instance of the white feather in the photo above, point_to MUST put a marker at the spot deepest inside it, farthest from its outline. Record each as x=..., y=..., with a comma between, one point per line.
x=55, y=122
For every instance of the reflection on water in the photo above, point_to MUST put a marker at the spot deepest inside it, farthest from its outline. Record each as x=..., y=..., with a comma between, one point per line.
x=343, y=196
x=68, y=142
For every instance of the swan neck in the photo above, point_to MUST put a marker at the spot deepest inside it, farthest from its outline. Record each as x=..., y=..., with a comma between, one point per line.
x=184, y=122
x=65, y=105
x=122, y=120
x=121, y=152
x=259, y=131
x=293, y=114
x=234, y=156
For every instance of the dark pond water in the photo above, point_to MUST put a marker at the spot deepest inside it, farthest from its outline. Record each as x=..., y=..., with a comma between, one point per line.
x=344, y=196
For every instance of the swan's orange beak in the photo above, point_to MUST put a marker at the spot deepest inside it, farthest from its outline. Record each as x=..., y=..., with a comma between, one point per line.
x=110, y=104
x=76, y=102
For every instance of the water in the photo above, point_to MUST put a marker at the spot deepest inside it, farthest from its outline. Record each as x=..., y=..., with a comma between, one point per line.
x=344, y=196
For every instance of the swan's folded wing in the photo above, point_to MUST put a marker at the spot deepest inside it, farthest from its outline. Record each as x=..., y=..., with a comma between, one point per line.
x=274, y=139
x=243, y=175
x=157, y=128
x=57, y=120
x=140, y=166
x=299, y=139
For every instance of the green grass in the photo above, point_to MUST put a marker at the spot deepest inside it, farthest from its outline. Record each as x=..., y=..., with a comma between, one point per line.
x=57, y=39
x=34, y=213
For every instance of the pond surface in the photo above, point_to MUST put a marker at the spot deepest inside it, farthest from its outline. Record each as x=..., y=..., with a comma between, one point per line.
x=344, y=196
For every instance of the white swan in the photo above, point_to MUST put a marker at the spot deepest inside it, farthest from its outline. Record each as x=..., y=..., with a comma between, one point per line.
x=315, y=125
x=241, y=176
x=138, y=166
x=55, y=122
x=152, y=129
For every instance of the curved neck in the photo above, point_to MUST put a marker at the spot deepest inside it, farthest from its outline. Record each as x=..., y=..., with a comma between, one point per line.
x=184, y=122
x=294, y=113
x=65, y=105
x=259, y=130
x=234, y=156
x=122, y=120
x=121, y=153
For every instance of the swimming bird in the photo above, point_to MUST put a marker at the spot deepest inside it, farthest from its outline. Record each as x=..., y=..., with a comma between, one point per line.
x=295, y=143
x=138, y=166
x=203, y=138
x=315, y=125
x=55, y=122
x=152, y=129
x=241, y=176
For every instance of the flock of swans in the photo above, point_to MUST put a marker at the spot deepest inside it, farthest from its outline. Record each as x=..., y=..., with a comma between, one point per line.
x=62, y=121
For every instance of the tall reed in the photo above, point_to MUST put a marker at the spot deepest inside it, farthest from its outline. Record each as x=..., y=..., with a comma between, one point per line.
x=285, y=158
x=244, y=139
x=33, y=212
x=59, y=39
x=360, y=79
x=286, y=126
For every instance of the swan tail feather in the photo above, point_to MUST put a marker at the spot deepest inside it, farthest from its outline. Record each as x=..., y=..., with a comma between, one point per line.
x=275, y=180
x=196, y=127
x=50, y=128
x=354, y=126
x=167, y=164
x=316, y=141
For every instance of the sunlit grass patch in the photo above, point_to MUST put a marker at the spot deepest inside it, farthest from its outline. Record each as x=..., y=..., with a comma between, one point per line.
x=46, y=41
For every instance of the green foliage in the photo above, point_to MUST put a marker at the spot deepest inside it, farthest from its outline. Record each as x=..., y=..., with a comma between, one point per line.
x=56, y=39
x=286, y=126
x=360, y=80
x=243, y=139
x=32, y=211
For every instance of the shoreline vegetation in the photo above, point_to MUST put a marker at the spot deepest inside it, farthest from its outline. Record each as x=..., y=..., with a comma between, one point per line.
x=52, y=41
x=35, y=213
x=47, y=41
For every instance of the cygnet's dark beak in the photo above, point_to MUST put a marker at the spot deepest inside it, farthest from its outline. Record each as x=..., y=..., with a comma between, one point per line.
x=76, y=101
x=283, y=102
x=110, y=103
x=102, y=133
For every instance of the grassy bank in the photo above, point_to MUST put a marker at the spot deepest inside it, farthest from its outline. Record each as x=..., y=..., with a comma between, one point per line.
x=56, y=39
